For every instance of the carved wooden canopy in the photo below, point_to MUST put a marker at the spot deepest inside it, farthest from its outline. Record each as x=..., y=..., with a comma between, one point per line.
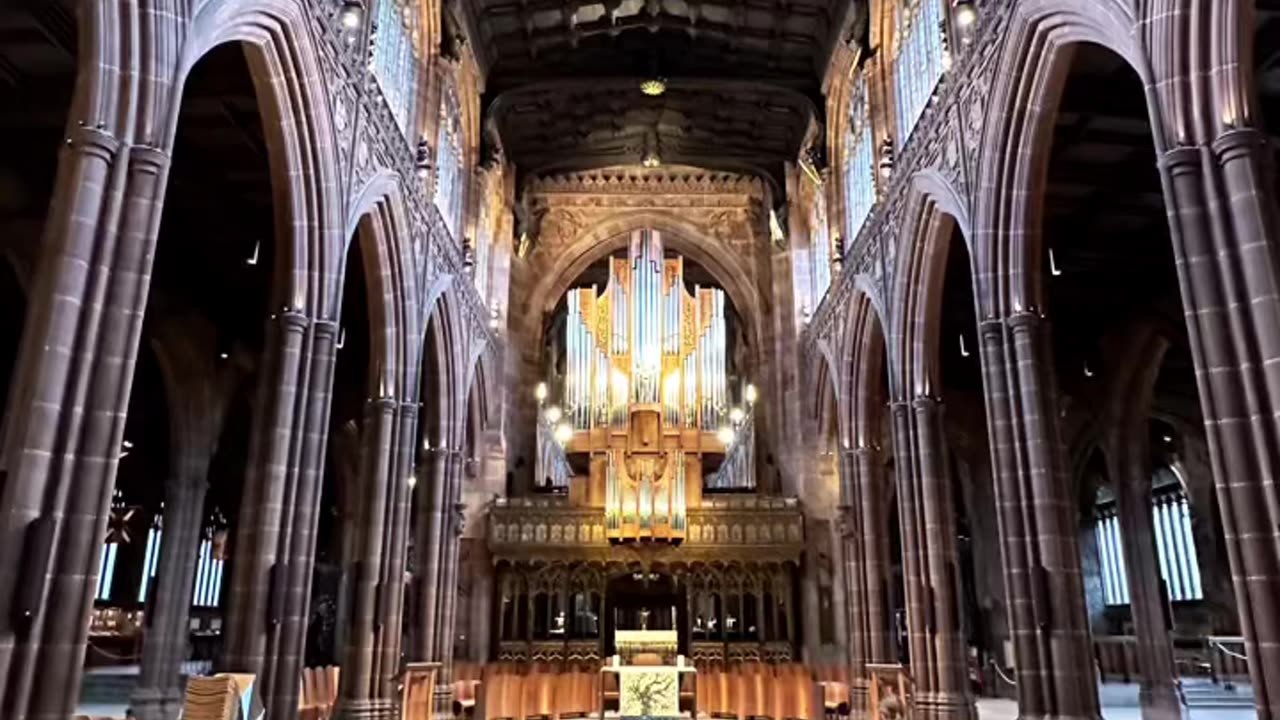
x=743, y=79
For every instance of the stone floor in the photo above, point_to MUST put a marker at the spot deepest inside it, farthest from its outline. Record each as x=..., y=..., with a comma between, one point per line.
x=1120, y=702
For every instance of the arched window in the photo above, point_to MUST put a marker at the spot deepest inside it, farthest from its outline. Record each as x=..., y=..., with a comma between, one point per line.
x=395, y=59
x=449, y=162
x=821, y=249
x=859, y=162
x=1175, y=544
x=918, y=60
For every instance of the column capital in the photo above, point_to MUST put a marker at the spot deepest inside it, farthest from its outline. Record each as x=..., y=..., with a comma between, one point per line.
x=94, y=142
x=294, y=321
x=150, y=159
x=1236, y=143
x=1184, y=160
x=385, y=404
x=1025, y=321
x=327, y=329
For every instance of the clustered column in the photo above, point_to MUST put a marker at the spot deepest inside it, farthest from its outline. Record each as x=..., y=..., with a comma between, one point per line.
x=440, y=525
x=1037, y=523
x=1223, y=221
x=275, y=543
x=865, y=538
x=929, y=560
x=77, y=357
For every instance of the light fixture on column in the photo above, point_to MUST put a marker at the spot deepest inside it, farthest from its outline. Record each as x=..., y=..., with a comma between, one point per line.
x=725, y=435
x=412, y=480
x=651, y=160
x=965, y=13
x=352, y=14
x=540, y=392
x=553, y=414
x=736, y=416
x=422, y=159
x=750, y=394
x=886, y=159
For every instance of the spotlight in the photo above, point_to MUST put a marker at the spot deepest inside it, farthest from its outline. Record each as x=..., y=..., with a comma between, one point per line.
x=726, y=435
x=352, y=14
x=651, y=160
x=553, y=414
x=966, y=14
x=736, y=415
x=540, y=392
x=412, y=480
x=564, y=433
x=653, y=87
x=749, y=394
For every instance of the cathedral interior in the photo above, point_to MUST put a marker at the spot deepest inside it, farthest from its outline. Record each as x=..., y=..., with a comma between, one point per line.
x=705, y=359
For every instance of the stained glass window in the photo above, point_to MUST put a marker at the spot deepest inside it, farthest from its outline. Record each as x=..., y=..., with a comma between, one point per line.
x=821, y=251
x=449, y=162
x=151, y=558
x=1175, y=550
x=395, y=59
x=208, y=587
x=918, y=61
x=859, y=163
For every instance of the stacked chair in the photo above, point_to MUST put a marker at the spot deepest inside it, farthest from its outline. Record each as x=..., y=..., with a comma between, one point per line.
x=220, y=697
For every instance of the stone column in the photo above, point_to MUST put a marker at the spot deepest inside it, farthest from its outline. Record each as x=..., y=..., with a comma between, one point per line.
x=455, y=520
x=275, y=543
x=1036, y=518
x=929, y=559
x=158, y=694
x=1159, y=692
x=1222, y=219
x=431, y=518
x=865, y=538
x=71, y=387
x=396, y=548
x=358, y=698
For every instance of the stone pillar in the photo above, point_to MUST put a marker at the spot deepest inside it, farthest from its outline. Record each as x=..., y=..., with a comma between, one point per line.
x=1159, y=694
x=864, y=534
x=1222, y=219
x=275, y=543
x=431, y=518
x=158, y=694
x=930, y=571
x=71, y=387
x=455, y=520
x=357, y=697
x=394, y=574
x=1036, y=516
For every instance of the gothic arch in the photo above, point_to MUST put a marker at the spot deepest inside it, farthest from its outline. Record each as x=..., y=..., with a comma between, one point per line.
x=445, y=351
x=602, y=239
x=1016, y=142
x=381, y=238
x=283, y=60
x=917, y=295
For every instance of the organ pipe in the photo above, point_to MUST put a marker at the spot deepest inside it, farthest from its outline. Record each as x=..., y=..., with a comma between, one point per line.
x=646, y=340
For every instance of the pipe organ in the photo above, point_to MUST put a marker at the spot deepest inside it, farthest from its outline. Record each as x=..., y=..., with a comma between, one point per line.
x=645, y=391
x=646, y=341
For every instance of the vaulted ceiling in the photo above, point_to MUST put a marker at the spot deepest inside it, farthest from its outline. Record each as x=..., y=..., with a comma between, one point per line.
x=743, y=79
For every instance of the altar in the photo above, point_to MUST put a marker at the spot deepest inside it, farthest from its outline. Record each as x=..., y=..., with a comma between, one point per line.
x=649, y=675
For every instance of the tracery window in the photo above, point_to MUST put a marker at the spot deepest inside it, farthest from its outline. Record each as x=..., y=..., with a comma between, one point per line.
x=821, y=250
x=859, y=162
x=1175, y=548
x=395, y=59
x=449, y=162
x=918, y=60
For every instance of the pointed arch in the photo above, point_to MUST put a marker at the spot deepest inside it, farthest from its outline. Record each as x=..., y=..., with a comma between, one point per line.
x=917, y=292
x=1016, y=141
x=284, y=63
